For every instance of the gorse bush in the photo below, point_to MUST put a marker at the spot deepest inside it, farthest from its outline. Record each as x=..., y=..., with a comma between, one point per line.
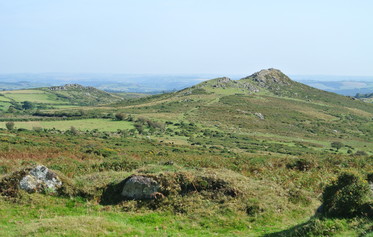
x=346, y=196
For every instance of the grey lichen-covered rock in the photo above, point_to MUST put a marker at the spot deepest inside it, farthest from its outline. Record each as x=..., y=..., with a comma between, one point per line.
x=139, y=187
x=40, y=179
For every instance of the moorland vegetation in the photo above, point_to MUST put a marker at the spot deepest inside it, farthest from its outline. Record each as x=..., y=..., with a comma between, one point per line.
x=260, y=156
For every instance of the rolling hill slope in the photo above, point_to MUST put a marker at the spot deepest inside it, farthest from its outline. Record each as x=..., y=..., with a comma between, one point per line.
x=70, y=94
x=250, y=157
x=267, y=104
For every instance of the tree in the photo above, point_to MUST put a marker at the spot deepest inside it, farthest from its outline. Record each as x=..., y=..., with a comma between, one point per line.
x=9, y=125
x=337, y=145
x=26, y=105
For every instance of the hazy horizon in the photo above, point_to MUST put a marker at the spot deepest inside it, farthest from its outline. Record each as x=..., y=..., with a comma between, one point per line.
x=186, y=37
x=207, y=76
x=156, y=83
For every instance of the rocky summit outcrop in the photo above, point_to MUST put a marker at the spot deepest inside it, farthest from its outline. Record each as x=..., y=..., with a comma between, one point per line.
x=71, y=87
x=222, y=82
x=270, y=79
x=139, y=188
x=270, y=76
x=40, y=179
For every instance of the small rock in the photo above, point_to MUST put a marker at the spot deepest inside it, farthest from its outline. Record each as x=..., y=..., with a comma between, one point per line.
x=139, y=188
x=259, y=115
x=170, y=162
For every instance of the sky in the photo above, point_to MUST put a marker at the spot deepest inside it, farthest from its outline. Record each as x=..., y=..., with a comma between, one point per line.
x=316, y=37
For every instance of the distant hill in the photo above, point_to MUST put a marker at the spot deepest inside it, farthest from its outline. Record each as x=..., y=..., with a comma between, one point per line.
x=349, y=86
x=139, y=83
x=56, y=96
x=160, y=83
x=81, y=95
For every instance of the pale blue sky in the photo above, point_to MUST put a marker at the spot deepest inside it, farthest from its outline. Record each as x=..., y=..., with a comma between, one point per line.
x=327, y=37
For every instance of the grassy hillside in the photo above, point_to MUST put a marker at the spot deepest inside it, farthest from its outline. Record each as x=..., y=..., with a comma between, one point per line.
x=55, y=97
x=266, y=105
x=250, y=157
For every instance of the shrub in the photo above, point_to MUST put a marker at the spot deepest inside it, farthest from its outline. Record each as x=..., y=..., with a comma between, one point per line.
x=120, y=116
x=370, y=177
x=345, y=196
x=9, y=126
x=361, y=153
x=139, y=128
x=300, y=164
x=3, y=169
x=116, y=165
x=367, y=209
x=37, y=129
x=105, y=152
x=253, y=207
x=74, y=131
x=318, y=227
x=337, y=145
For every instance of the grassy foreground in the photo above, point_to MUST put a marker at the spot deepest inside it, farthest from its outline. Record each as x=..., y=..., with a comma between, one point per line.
x=233, y=194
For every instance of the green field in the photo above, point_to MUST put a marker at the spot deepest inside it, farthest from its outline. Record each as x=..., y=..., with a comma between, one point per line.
x=36, y=96
x=83, y=124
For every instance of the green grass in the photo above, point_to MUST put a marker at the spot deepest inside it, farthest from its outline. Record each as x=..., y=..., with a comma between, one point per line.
x=82, y=124
x=73, y=217
x=36, y=96
x=4, y=105
x=4, y=99
x=65, y=106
